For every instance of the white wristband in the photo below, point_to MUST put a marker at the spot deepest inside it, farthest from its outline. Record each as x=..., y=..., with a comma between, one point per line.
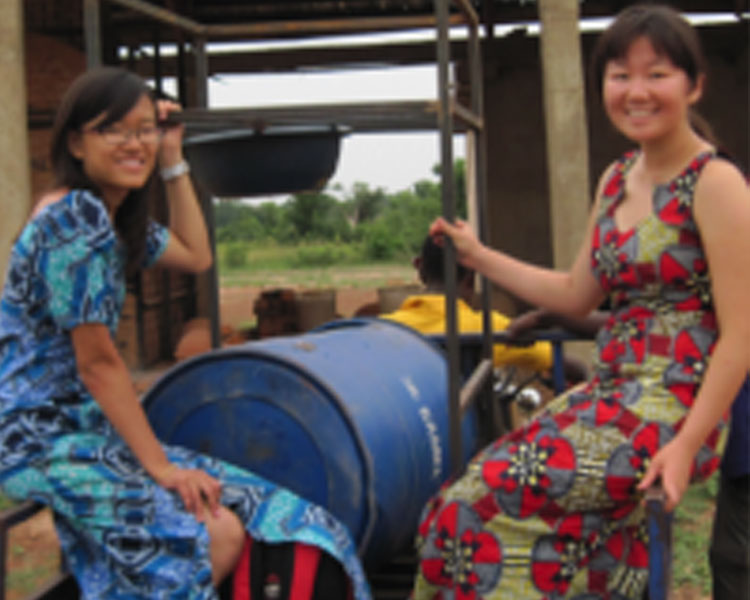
x=169, y=173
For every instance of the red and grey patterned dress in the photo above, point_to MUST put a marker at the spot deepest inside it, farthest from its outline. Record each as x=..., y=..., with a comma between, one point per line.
x=551, y=510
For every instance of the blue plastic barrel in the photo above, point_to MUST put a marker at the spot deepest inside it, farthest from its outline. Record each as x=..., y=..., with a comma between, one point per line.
x=352, y=416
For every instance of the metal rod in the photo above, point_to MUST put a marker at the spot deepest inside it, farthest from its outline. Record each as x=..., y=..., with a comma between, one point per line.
x=358, y=117
x=468, y=10
x=473, y=385
x=467, y=116
x=321, y=26
x=659, y=523
x=161, y=14
x=445, y=120
x=476, y=86
x=92, y=32
x=201, y=72
x=282, y=28
x=201, y=100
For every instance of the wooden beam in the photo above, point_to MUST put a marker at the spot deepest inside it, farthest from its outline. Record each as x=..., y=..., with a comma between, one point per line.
x=15, y=176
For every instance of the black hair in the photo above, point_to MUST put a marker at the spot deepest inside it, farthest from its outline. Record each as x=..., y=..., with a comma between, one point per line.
x=667, y=30
x=112, y=92
x=432, y=269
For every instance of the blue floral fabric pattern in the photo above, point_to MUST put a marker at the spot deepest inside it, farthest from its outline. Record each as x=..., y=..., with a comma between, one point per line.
x=124, y=536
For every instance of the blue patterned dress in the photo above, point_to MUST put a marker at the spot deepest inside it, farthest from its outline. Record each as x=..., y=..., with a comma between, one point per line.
x=123, y=535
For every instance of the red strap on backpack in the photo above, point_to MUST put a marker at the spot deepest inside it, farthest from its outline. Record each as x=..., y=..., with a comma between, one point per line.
x=241, y=579
x=306, y=559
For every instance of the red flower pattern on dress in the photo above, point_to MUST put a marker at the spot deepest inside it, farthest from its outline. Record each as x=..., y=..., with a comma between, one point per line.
x=527, y=473
x=557, y=558
x=691, y=349
x=611, y=257
x=462, y=557
x=656, y=276
x=678, y=209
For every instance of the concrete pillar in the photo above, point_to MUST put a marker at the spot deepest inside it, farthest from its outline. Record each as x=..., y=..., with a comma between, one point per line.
x=15, y=177
x=565, y=126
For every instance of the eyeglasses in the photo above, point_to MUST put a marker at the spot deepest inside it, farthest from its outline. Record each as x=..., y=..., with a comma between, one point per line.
x=115, y=136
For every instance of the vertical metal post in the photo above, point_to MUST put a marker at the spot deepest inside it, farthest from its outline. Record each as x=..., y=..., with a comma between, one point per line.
x=181, y=71
x=445, y=118
x=201, y=72
x=201, y=100
x=480, y=153
x=92, y=32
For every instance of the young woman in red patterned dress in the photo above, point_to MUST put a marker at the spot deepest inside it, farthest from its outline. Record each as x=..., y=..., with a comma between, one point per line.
x=553, y=510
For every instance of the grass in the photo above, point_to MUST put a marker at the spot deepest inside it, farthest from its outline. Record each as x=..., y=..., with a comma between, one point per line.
x=352, y=276
x=692, y=536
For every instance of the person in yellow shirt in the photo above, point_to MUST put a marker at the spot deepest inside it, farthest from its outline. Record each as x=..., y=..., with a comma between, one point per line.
x=426, y=313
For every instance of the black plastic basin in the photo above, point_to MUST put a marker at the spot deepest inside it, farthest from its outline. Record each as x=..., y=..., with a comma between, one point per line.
x=275, y=161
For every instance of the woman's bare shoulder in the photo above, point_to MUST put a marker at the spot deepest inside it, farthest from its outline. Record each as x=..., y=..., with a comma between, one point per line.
x=47, y=199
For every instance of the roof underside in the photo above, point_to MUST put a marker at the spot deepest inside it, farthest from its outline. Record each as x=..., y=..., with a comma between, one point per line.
x=64, y=18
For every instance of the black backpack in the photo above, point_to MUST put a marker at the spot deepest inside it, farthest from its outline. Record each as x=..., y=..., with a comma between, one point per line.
x=286, y=571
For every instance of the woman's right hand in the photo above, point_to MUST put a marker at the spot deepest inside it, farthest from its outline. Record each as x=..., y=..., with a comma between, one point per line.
x=467, y=245
x=197, y=488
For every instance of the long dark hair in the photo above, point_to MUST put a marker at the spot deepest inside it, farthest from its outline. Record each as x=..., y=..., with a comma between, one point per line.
x=113, y=92
x=670, y=35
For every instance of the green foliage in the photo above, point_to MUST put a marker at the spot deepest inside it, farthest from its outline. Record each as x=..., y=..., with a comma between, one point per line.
x=376, y=225
x=234, y=255
x=323, y=255
x=459, y=180
x=378, y=240
x=366, y=204
x=316, y=216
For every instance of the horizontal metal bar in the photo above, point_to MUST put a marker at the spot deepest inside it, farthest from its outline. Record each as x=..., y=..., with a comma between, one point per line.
x=161, y=14
x=357, y=117
x=467, y=116
x=502, y=337
x=322, y=26
x=472, y=386
x=468, y=10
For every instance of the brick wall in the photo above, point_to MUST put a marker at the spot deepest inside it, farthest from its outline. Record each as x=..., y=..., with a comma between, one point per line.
x=50, y=68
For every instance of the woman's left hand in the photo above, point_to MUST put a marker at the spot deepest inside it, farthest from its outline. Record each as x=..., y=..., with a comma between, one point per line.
x=170, y=152
x=673, y=464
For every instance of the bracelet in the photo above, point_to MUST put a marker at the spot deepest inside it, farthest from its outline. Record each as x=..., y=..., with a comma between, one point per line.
x=169, y=173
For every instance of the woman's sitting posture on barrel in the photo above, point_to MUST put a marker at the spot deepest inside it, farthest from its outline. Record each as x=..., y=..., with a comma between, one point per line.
x=553, y=510
x=135, y=519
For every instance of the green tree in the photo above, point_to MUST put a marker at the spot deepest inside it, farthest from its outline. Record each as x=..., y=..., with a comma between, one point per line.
x=459, y=179
x=366, y=203
x=317, y=216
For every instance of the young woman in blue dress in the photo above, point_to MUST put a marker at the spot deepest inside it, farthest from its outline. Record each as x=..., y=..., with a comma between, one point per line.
x=136, y=519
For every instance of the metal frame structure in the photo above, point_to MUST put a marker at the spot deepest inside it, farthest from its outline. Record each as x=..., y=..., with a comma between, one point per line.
x=446, y=115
